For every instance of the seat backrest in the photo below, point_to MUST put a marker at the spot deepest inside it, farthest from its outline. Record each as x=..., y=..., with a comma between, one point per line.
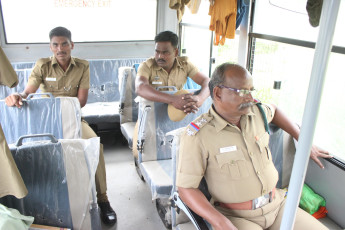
x=128, y=107
x=156, y=145
x=60, y=116
x=58, y=176
x=104, y=78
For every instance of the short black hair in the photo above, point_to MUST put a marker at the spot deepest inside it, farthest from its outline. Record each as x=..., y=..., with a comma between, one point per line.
x=167, y=36
x=60, y=32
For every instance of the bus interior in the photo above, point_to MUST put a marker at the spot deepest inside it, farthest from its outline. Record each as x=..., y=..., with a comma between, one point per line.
x=295, y=65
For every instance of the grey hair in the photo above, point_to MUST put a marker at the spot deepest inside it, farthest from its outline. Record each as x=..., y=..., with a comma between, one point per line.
x=218, y=75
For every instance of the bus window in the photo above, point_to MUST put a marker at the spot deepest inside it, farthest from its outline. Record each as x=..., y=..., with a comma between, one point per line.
x=195, y=27
x=288, y=58
x=90, y=20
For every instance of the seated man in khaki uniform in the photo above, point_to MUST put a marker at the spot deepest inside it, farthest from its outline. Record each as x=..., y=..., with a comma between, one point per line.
x=63, y=75
x=11, y=183
x=229, y=147
x=167, y=69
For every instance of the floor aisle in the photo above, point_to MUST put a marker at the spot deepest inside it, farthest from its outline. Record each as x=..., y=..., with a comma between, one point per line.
x=129, y=196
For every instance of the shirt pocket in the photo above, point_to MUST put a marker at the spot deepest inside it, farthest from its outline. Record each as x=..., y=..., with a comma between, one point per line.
x=71, y=90
x=265, y=152
x=51, y=86
x=233, y=163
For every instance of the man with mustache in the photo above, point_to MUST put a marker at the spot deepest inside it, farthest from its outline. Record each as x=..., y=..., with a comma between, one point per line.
x=167, y=69
x=228, y=146
x=63, y=75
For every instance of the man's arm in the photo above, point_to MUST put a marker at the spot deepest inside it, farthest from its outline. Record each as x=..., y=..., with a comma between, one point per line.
x=16, y=98
x=197, y=100
x=196, y=201
x=143, y=89
x=282, y=121
x=82, y=96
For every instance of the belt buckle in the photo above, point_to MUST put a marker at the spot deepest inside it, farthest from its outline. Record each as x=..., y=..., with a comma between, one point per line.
x=261, y=201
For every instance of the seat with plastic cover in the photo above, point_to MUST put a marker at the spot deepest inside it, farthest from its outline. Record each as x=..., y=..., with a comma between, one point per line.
x=59, y=116
x=128, y=107
x=59, y=177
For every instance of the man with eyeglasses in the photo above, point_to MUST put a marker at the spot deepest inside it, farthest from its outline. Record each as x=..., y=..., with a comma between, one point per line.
x=63, y=75
x=228, y=146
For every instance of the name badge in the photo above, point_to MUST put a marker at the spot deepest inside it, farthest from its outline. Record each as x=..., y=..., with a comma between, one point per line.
x=228, y=149
x=157, y=82
x=50, y=79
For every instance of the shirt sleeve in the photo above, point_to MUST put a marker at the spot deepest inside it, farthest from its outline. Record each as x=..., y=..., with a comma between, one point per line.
x=8, y=76
x=191, y=163
x=192, y=70
x=36, y=76
x=85, y=79
x=144, y=70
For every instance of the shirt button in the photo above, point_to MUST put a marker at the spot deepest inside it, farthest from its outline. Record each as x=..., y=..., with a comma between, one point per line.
x=251, y=154
x=257, y=172
x=264, y=191
x=232, y=162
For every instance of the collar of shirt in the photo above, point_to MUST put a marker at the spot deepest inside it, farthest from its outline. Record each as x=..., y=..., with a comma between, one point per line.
x=54, y=61
x=177, y=63
x=219, y=122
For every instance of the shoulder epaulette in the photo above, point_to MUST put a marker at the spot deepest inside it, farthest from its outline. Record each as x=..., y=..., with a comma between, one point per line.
x=42, y=61
x=263, y=114
x=83, y=61
x=197, y=124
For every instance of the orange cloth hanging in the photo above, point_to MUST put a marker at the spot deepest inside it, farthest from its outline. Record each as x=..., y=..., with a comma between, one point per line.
x=223, y=20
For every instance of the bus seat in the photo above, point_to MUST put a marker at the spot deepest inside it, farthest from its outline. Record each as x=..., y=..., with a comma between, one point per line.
x=136, y=66
x=101, y=110
x=59, y=177
x=154, y=147
x=128, y=108
x=59, y=116
x=190, y=84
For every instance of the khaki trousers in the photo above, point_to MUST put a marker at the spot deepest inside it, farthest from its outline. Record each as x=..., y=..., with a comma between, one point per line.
x=100, y=177
x=270, y=216
x=11, y=182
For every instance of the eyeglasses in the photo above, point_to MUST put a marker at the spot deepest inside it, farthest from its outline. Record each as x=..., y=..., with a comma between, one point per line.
x=240, y=92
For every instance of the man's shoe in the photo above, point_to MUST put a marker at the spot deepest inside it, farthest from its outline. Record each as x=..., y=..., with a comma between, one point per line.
x=108, y=215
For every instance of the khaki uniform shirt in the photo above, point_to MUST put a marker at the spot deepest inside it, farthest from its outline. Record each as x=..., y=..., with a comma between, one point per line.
x=237, y=164
x=7, y=74
x=52, y=79
x=158, y=76
x=11, y=183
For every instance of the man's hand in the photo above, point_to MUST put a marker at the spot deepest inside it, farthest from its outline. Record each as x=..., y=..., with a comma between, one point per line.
x=14, y=100
x=193, y=103
x=317, y=152
x=188, y=103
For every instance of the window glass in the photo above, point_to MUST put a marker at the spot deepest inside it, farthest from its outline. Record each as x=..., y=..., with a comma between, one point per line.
x=274, y=61
x=290, y=19
x=88, y=20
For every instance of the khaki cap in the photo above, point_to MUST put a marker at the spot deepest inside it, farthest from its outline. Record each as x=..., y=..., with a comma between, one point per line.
x=176, y=114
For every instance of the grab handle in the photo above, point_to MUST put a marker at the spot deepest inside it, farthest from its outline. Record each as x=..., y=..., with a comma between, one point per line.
x=51, y=136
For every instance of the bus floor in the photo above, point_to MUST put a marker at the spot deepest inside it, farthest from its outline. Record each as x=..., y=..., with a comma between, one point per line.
x=129, y=196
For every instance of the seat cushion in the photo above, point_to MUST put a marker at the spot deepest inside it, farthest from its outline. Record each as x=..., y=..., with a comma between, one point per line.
x=127, y=130
x=158, y=174
x=101, y=112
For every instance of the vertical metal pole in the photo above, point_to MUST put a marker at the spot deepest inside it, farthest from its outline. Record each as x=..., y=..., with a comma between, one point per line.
x=323, y=47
